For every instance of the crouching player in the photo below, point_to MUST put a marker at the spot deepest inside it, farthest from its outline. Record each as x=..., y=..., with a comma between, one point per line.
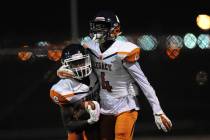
x=76, y=94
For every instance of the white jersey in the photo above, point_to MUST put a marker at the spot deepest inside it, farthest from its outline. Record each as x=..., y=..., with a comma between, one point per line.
x=118, y=88
x=70, y=90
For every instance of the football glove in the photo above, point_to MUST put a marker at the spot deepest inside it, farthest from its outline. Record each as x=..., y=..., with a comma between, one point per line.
x=163, y=122
x=63, y=72
x=94, y=114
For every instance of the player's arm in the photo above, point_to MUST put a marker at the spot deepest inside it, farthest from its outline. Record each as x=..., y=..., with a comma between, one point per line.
x=69, y=123
x=135, y=71
x=161, y=120
x=67, y=112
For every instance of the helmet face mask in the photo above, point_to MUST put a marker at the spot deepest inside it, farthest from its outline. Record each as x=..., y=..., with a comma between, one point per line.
x=100, y=26
x=99, y=30
x=79, y=63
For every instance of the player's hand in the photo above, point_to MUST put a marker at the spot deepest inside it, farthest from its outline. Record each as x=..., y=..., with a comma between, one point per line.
x=63, y=72
x=94, y=113
x=163, y=122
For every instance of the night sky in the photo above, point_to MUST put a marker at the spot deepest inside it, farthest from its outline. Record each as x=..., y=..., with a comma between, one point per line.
x=41, y=19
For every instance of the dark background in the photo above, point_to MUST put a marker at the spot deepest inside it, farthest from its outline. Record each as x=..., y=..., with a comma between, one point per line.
x=26, y=111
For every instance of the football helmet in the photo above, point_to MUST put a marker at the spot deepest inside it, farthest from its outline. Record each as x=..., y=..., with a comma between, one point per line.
x=76, y=59
x=105, y=26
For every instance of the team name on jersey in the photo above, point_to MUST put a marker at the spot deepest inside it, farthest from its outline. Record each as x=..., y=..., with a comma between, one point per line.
x=102, y=66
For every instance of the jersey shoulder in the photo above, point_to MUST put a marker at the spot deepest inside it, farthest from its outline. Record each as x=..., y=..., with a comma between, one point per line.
x=60, y=91
x=90, y=44
x=128, y=51
x=68, y=91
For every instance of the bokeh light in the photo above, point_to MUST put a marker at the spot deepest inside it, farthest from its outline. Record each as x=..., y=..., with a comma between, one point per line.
x=174, y=41
x=203, y=41
x=121, y=38
x=54, y=55
x=190, y=40
x=173, y=46
x=203, y=21
x=24, y=55
x=147, y=42
x=173, y=52
x=201, y=77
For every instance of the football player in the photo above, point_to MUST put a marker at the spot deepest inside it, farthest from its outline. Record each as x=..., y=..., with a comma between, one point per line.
x=76, y=94
x=120, y=75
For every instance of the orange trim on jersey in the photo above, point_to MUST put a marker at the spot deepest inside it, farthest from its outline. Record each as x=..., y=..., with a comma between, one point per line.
x=123, y=53
x=57, y=98
x=131, y=56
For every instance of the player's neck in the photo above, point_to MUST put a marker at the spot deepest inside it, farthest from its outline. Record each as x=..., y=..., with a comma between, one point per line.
x=104, y=46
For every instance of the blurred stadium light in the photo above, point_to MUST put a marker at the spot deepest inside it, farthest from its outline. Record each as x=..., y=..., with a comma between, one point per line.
x=174, y=43
x=122, y=38
x=201, y=77
x=147, y=42
x=54, y=55
x=24, y=55
x=203, y=21
x=190, y=40
x=173, y=52
x=203, y=41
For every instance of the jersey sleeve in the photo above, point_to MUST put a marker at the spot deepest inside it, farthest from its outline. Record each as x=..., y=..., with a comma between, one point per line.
x=57, y=92
x=128, y=52
x=141, y=79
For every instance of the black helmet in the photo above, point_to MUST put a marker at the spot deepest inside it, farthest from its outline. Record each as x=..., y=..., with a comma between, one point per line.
x=76, y=58
x=105, y=26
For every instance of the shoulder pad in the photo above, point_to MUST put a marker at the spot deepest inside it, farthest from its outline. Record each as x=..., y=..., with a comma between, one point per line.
x=88, y=43
x=128, y=51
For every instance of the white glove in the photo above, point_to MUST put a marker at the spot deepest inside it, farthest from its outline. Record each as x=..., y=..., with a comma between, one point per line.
x=94, y=114
x=163, y=122
x=63, y=72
